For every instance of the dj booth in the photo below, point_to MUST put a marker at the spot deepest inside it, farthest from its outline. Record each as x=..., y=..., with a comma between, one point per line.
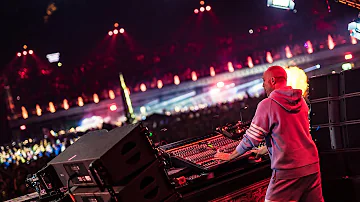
x=124, y=165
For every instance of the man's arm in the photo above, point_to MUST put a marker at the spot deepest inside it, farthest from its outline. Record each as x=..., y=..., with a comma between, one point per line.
x=256, y=133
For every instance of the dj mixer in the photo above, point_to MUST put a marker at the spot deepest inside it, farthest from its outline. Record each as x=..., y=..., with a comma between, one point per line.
x=199, y=153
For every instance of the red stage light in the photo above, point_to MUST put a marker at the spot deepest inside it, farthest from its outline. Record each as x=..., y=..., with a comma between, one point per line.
x=18, y=54
x=348, y=56
x=110, y=33
x=196, y=11
x=202, y=9
x=113, y=107
x=116, y=24
x=31, y=52
x=116, y=31
x=24, y=53
x=122, y=30
x=208, y=8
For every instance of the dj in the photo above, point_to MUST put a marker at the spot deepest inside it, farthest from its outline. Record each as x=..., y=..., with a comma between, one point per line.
x=282, y=119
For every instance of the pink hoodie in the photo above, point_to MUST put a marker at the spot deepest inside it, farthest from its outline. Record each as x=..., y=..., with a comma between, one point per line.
x=282, y=119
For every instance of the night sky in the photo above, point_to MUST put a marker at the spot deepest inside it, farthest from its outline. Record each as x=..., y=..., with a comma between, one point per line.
x=77, y=26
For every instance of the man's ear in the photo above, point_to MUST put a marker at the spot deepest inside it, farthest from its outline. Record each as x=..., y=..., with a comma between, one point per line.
x=273, y=81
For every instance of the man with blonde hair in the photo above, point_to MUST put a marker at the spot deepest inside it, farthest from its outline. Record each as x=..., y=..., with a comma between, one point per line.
x=282, y=120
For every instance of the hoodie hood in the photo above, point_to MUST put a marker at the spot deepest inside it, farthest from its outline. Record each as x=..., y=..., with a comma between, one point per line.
x=288, y=98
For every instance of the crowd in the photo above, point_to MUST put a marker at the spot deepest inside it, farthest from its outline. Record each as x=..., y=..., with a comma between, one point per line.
x=27, y=157
x=179, y=126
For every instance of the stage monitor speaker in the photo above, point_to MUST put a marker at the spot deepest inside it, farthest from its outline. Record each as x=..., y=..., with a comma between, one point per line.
x=324, y=86
x=348, y=81
x=122, y=152
x=325, y=112
x=328, y=137
x=150, y=185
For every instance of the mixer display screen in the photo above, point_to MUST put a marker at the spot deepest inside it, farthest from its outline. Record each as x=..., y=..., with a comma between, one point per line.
x=201, y=153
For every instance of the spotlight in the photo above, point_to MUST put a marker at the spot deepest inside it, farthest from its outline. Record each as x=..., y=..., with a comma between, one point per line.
x=251, y=31
x=347, y=66
x=110, y=33
x=283, y=4
x=202, y=2
x=122, y=30
x=31, y=52
x=348, y=56
x=116, y=31
x=24, y=53
x=196, y=11
x=202, y=9
x=18, y=54
x=22, y=127
x=113, y=107
x=208, y=8
x=116, y=24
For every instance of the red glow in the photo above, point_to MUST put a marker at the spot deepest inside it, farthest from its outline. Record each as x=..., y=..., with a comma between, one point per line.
x=110, y=33
x=348, y=56
x=122, y=30
x=202, y=9
x=113, y=107
x=18, y=54
x=288, y=52
x=143, y=87
x=31, y=52
x=331, y=43
x=208, y=8
x=116, y=31
x=269, y=58
x=22, y=127
x=160, y=84
x=212, y=71
x=250, y=62
x=196, y=11
x=309, y=47
x=193, y=76
x=24, y=53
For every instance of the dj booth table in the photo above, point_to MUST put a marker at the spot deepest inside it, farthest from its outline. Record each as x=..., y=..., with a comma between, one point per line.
x=248, y=182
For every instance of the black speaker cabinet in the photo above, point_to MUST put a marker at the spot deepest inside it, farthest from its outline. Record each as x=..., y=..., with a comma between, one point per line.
x=328, y=137
x=150, y=185
x=349, y=81
x=325, y=112
x=340, y=163
x=352, y=135
x=341, y=189
x=350, y=107
x=122, y=152
x=324, y=86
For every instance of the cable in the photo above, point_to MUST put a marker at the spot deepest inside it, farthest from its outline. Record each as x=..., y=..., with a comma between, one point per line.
x=69, y=187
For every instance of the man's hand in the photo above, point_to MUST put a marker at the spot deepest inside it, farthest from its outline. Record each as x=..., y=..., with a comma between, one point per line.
x=260, y=152
x=222, y=156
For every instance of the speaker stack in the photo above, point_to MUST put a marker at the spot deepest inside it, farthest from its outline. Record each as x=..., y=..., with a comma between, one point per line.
x=335, y=128
x=119, y=165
